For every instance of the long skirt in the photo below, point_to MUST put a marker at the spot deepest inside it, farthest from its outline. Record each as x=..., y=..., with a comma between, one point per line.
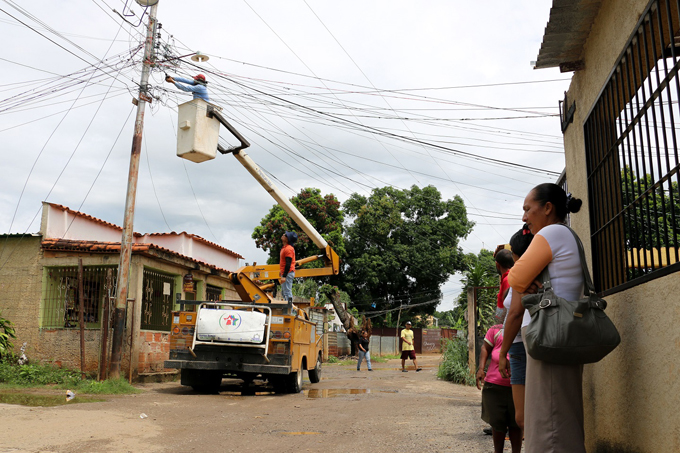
x=553, y=408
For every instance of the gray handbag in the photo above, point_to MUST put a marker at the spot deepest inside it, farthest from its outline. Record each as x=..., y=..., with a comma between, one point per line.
x=568, y=332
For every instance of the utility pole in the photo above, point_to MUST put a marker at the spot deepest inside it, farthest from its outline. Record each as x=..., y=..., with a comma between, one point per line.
x=128, y=223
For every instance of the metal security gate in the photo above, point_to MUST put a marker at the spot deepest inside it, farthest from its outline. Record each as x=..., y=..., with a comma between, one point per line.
x=60, y=301
x=631, y=138
x=157, y=300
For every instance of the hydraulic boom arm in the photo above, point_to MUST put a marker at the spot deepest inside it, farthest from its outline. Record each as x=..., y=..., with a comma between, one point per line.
x=246, y=285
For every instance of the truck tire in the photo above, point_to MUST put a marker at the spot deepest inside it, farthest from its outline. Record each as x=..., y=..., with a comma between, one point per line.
x=294, y=381
x=315, y=374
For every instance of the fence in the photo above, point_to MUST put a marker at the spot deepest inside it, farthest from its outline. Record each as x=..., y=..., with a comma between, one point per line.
x=384, y=341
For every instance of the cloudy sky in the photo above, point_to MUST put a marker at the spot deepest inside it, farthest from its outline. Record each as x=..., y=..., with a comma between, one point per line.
x=344, y=96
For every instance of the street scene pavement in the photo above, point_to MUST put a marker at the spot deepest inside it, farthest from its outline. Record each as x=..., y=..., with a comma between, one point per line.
x=385, y=410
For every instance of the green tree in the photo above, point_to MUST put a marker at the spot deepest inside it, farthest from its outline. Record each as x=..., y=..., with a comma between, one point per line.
x=323, y=212
x=654, y=220
x=309, y=288
x=480, y=272
x=402, y=245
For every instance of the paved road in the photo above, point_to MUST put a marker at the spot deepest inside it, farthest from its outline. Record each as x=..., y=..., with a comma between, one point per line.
x=382, y=411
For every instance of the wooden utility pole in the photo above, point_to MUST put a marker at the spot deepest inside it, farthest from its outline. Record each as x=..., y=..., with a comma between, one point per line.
x=106, y=316
x=81, y=312
x=472, y=329
x=128, y=224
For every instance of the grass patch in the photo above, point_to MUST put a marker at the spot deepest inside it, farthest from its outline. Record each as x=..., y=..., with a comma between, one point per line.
x=107, y=387
x=350, y=361
x=31, y=375
x=384, y=358
x=454, y=364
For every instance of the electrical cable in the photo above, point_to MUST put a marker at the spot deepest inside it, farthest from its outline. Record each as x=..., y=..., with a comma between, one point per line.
x=153, y=185
x=38, y=157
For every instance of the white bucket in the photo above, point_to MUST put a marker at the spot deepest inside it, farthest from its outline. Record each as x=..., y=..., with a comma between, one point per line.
x=197, y=134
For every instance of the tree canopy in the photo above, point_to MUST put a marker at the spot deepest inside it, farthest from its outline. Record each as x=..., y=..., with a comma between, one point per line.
x=480, y=272
x=402, y=245
x=654, y=220
x=323, y=212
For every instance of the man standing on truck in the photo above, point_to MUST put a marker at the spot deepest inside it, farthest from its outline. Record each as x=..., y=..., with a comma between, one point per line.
x=408, y=351
x=287, y=265
x=198, y=86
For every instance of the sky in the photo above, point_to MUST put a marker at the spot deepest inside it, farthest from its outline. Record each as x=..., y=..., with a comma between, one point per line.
x=344, y=97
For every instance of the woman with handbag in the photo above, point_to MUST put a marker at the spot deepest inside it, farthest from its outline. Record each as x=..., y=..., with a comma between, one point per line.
x=553, y=414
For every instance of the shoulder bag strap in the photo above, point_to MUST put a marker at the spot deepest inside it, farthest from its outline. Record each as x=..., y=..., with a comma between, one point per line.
x=584, y=265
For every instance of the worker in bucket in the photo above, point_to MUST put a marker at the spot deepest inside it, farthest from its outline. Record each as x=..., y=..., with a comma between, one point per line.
x=198, y=86
x=287, y=265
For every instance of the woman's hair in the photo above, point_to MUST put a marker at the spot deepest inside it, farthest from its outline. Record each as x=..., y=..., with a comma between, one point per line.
x=564, y=204
x=519, y=242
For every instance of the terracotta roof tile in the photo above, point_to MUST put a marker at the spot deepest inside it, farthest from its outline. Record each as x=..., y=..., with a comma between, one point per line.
x=56, y=244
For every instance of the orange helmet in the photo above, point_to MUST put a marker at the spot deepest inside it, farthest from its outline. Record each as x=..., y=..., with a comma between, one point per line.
x=200, y=77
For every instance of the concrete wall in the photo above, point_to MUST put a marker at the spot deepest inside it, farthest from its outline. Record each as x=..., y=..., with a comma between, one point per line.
x=631, y=397
x=189, y=245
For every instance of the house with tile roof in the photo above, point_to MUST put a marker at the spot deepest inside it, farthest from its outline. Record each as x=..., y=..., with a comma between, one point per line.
x=74, y=257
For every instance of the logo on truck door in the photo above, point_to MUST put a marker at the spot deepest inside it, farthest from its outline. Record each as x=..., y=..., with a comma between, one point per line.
x=231, y=321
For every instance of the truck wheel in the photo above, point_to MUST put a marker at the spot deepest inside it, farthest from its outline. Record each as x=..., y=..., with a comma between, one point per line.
x=315, y=374
x=294, y=381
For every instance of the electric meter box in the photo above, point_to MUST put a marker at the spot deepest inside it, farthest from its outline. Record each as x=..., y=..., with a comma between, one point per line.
x=197, y=134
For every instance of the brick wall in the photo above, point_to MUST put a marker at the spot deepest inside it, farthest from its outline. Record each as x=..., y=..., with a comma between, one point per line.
x=154, y=349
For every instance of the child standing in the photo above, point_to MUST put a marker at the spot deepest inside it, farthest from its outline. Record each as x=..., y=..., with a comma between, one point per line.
x=498, y=409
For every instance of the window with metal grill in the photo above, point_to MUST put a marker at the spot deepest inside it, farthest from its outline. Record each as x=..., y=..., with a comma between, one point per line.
x=631, y=139
x=213, y=293
x=157, y=300
x=61, y=308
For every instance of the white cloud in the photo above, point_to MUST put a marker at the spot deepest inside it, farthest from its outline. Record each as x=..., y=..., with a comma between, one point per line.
x=397, y=44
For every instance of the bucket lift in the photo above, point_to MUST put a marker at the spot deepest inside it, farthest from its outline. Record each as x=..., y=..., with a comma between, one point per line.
x=197, y=140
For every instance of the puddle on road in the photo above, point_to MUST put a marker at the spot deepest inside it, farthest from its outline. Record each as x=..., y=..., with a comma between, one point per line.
x=331, y=393
x=32, y=400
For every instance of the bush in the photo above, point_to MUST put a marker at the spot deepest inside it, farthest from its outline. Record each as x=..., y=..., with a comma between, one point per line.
x=454, y=364
x=6, y=334
x=36, y=374
x=332, y=359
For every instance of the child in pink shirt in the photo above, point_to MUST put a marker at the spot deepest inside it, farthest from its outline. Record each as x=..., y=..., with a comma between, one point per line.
x=498, y=409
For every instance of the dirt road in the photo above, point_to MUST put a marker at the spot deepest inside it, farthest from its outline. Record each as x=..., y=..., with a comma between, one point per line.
x=382, y=411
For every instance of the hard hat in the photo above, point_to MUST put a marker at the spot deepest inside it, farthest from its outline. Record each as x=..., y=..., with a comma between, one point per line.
x=200, y=77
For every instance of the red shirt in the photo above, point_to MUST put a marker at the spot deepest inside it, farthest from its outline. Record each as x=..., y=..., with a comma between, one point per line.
x=501, y=293
x=287, y=251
